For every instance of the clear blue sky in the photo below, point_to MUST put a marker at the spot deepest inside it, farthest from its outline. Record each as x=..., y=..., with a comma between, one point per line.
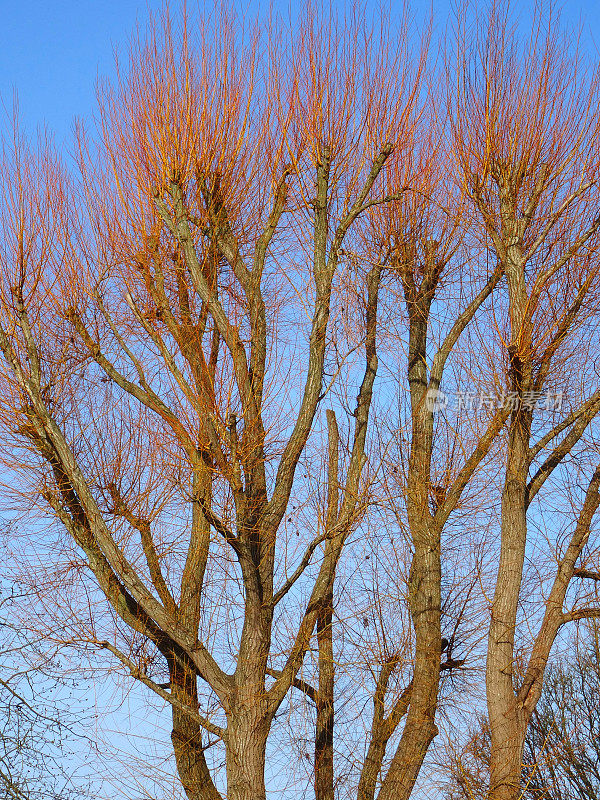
x=51, y=52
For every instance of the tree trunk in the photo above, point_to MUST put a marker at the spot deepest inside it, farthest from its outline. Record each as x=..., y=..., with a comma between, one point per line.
x=187, y=740
x=324, y=774
x=248, y=715
x=508, y=722
x=506, y=762
x=420, y=728
x=247, y=732
x=425, y=579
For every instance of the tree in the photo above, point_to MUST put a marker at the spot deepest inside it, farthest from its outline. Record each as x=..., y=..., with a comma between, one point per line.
x=36, y=722
x=561, y=745
x=563, y=734
x=526, y=133
x=202, y=330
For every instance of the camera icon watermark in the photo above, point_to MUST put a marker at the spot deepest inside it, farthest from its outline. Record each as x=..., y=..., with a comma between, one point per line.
x=436, y=400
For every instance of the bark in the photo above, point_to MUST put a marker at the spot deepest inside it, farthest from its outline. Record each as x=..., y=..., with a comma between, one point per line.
x=248, y=714
x=186, y=737
x=382, y=729
x=507, y=722
x=420, y=728
x=324, y=776
x=245, y=747
x=511, y=707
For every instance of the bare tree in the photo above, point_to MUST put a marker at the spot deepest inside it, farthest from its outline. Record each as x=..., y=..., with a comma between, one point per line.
x=202, y=329
x=37, y=725
x=561, y=745
x=142, y=361
x=526, y=134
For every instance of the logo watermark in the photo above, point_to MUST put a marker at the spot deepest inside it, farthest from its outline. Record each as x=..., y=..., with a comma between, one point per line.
x=549, y=400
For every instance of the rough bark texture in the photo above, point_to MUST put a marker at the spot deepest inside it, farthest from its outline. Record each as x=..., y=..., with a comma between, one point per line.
x=324, y=767
x=507, y=720
x=245, y=750
x=187, y=739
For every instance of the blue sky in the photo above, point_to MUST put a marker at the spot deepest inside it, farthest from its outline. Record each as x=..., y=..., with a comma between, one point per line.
x=51, y=52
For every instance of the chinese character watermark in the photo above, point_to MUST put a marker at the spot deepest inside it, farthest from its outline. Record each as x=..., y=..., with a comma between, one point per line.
x=465, y=401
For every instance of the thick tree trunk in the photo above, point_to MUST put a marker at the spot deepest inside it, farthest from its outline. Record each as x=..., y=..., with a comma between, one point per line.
x=246, y=743
x=248, y=714
x=324, y=774
x=507, y=720
x=506, y=764
x=424, y=587
x=187, y=741
x=420, y=728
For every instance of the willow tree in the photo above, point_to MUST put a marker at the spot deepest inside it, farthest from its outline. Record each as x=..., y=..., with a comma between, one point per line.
x=199, y=325
x=155, y=409
x=526, y=134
